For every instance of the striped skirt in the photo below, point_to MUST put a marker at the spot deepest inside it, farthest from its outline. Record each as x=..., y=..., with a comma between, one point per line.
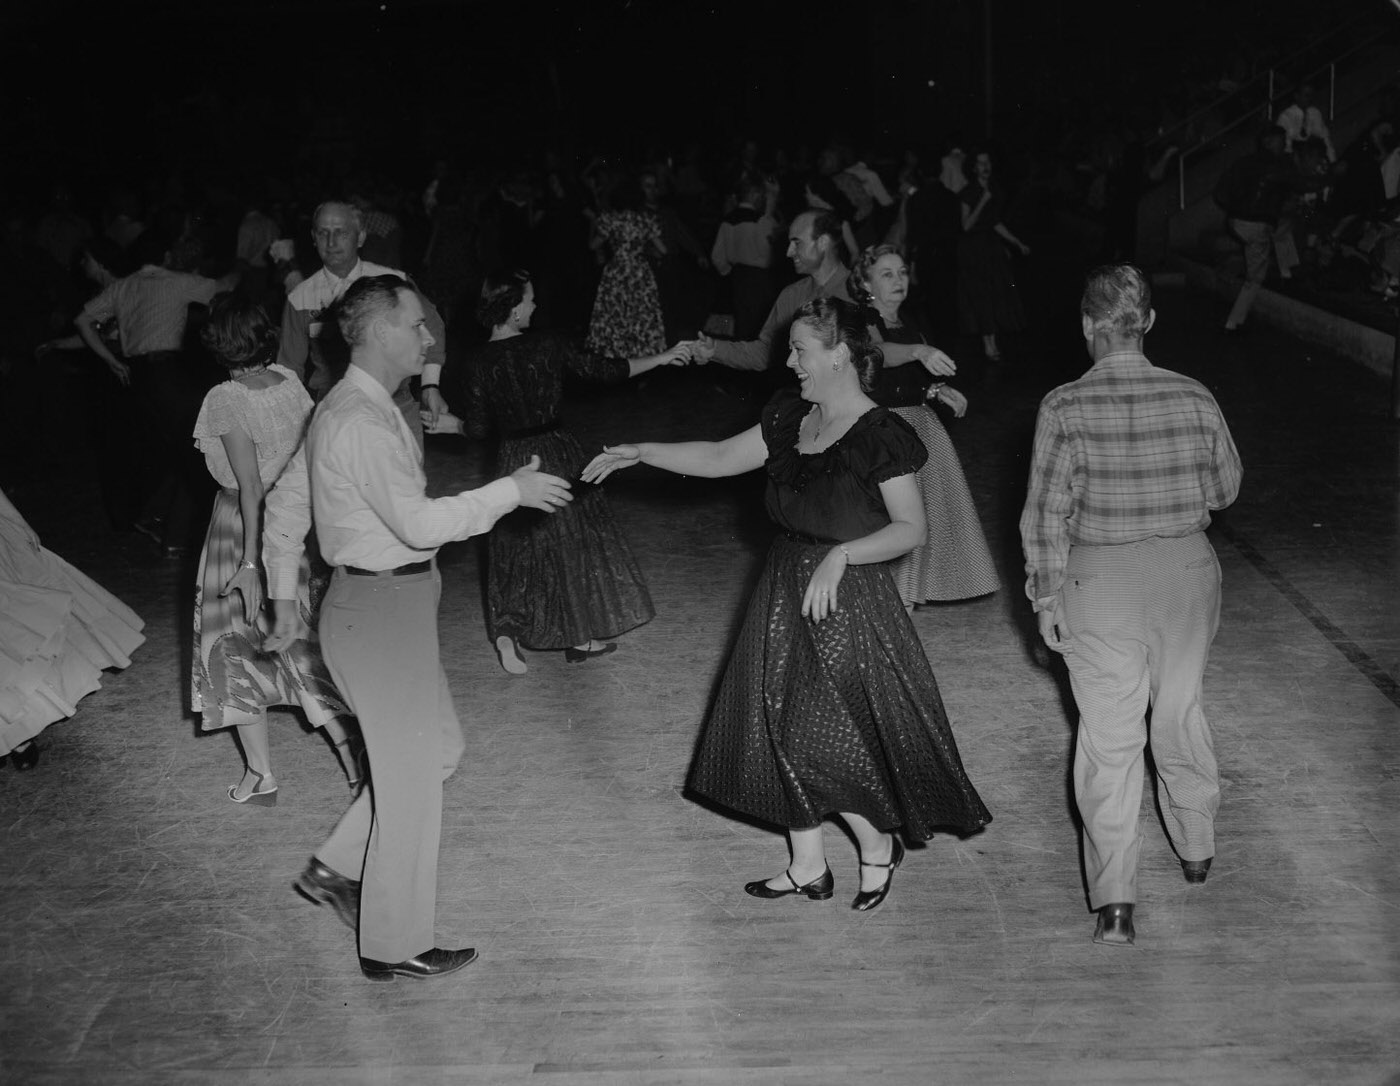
x=954, y=563
x=234, y=681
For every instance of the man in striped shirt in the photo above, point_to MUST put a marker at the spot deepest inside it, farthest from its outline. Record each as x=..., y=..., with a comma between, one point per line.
x=1129, y=460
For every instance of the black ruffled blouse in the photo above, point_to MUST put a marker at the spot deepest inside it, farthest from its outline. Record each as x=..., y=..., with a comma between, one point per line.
x=834, y=495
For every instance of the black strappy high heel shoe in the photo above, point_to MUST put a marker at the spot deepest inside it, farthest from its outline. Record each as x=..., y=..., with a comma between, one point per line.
x=819, y=889
x=870, y=899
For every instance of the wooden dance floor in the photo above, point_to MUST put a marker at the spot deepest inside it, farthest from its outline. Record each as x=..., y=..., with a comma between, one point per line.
x=149, y=933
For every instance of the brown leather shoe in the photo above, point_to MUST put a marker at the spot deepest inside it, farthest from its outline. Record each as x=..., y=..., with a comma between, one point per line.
x=1196, y=870
x=322, y=886
x=1115, y=926
x=431, y=963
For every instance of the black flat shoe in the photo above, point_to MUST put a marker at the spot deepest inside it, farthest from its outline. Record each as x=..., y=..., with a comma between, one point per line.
x=322, y=886
x=25, y=756
x=573, y=656
x=1115, y=925
x=819, y=889
x=869, y=899
x=431, y=963
x=1196, y=870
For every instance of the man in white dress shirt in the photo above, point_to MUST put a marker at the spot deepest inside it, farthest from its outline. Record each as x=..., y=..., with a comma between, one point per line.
x=360, y=476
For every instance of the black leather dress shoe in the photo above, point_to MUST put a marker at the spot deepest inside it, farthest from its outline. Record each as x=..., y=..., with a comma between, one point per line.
x=25, y=756
x=819, y=889
x=1115, y=926
x=322, y=886
x=1195, y=870
x=575, y=656
x=870, y=899
x=431, y=963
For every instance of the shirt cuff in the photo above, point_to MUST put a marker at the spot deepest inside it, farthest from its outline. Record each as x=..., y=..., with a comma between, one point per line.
x=282, y=578
x=432, y=371
x=1045, y=603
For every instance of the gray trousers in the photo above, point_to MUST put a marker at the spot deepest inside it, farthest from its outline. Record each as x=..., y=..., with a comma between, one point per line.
x=1141, y=618
x=379, y=636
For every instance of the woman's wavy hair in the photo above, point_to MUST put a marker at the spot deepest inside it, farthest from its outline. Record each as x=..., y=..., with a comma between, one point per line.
x=834, y=321
x=238, y=333
x=858, y=285
x=500, y=293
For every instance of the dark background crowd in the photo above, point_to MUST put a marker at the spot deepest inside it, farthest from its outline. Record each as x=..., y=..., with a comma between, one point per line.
x=476, y=136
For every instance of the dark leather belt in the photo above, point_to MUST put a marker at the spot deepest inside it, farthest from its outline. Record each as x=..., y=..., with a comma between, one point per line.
x=398, y=571
x=534, y=431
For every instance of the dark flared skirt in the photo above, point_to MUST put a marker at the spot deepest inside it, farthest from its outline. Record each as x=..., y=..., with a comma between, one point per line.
x=987, y=297
x=559, y=579
x=842, y=715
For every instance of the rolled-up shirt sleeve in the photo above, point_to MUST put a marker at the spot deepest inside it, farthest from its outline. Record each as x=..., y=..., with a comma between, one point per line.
x=396, y=496
x=286, y=520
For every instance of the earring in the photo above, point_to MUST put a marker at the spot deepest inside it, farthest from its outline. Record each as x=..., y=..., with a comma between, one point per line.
x=835, y=366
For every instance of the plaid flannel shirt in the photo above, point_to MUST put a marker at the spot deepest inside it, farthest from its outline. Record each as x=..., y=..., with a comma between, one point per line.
x=1127, y=452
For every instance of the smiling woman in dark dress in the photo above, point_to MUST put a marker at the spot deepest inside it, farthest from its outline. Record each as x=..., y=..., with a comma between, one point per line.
x=828, y=704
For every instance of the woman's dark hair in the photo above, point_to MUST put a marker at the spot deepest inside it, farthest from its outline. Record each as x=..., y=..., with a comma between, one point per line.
x=238, y=333
x=834, y=321
x=858, y=284
x=500, y=293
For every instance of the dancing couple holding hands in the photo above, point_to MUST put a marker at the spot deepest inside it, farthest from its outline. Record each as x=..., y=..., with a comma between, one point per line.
x=828, y=705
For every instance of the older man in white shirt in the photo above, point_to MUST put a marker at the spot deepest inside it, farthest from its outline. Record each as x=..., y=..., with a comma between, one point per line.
x=338, y=229
x=360, y=475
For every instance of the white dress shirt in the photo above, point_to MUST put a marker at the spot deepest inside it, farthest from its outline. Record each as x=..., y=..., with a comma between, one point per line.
x=366, y=490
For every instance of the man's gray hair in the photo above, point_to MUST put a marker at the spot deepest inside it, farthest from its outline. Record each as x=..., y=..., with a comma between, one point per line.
x=1117, y=300
x=356, y=216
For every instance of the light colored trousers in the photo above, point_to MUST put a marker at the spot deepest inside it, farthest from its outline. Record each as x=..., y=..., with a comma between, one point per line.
x=1259, y=238
x=1141, y=618
x=379, y=636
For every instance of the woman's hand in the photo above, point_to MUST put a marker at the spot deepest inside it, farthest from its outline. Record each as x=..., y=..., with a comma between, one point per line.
x=445, y=422
x=247, y=582
x=956, y=401
x=612, y=458
x=820, y=598
x=934, y=360
x=678, y=355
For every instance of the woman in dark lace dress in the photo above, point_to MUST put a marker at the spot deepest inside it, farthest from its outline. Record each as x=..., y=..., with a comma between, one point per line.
x=828, y=704
x=552, y=582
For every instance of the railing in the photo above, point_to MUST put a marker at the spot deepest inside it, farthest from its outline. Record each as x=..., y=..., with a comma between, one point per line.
x=1272, y=83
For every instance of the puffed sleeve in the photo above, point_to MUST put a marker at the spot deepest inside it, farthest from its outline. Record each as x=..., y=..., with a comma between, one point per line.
x=219, y=414
x=890, y=449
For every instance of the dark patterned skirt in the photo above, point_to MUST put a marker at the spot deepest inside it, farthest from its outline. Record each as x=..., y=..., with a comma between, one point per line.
x=842, y=715
x=559, y=579
x=234, y=681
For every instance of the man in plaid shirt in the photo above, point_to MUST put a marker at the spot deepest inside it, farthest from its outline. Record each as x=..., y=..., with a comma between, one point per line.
x=1129, y=460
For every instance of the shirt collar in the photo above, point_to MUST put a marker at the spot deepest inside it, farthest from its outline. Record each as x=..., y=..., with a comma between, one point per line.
x=837, y=272
x=370, y=386
x=349, y=277
x=1121, y=358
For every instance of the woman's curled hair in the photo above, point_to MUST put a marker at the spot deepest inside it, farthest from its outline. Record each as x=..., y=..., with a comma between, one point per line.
x=238, y=333
x=500, y=293
x=834, y=321
x=858, y=283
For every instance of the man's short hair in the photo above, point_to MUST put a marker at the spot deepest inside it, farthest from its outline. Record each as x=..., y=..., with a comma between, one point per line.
x=826, y=224
x=357, y=217
x=1117, y=300
x=368, y=298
